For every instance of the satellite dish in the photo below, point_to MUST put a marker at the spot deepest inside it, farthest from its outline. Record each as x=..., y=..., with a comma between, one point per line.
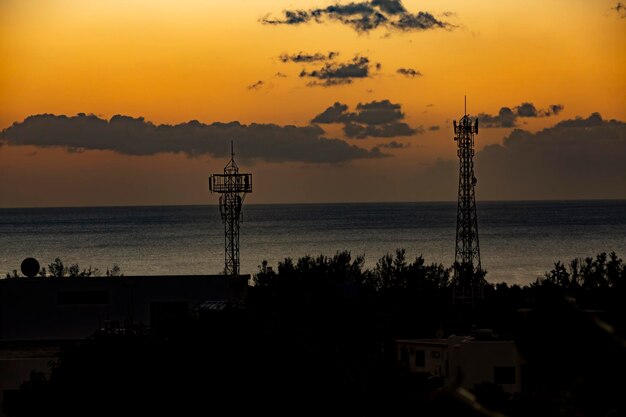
x=30, y=267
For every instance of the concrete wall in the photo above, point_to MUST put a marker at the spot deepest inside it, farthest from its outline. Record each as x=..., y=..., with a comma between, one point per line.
x=466, y=360
x=434, y=357
x=474, y=362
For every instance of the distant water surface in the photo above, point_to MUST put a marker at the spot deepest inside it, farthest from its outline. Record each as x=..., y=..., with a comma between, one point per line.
x=519, y=240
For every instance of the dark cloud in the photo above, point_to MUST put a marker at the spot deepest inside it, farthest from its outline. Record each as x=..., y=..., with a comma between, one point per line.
x=363, y=16
x=257, y=85
x=507, y=117
x=393, y=145
x=620, y=9
x=292, y=17
x=329, y=82
x=303, y=57
x=339, y=73
x=419, y=21
x=280, y=75
x=337, y=113
x=377, y=113
x=529, y=110
x=434, y=127
x=554, y=109
x=526, y=110
x=409, y=72
x=581, y=158
x=594, y=120
x=387, y=130
x=504, y=118
x=389, y=6
x=373, y=119
x=136, y=136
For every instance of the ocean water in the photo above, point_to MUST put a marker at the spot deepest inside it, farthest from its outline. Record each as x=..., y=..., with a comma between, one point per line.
x=519, y=241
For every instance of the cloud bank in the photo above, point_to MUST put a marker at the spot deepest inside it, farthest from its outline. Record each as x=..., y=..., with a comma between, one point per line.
x=363, y=17
x=136, y=136
x=393, y=145
x=373, y=119
x=576, y=158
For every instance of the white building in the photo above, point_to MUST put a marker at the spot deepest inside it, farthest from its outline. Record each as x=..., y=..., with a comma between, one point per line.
x=464, y=360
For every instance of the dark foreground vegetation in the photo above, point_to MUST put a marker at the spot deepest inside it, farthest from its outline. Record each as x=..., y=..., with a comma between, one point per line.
x=57, y=269
x=317, y=335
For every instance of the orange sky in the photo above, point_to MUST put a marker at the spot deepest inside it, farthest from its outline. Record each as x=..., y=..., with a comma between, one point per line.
x=174, y=61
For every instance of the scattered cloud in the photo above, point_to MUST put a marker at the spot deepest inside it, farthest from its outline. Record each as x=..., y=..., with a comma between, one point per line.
x=280, y=75
x=507, y=117
x=136, y=136
x=409, y=72
x=364, y=16
x=620, y=9
x=337, y=113
x=529, y=110
x=329, y=82
x=373, y=119
x=256, y=86
x=291, y=17
x=304, y=57
x=504, y=118
x=434, y=128
x=339, y=73
x=554, y=109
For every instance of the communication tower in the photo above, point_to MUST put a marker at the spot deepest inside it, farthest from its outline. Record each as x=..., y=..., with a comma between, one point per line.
x=469, y=277
x=233, y=188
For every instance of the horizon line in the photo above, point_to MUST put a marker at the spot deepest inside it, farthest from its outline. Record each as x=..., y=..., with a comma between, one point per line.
x=318, y=203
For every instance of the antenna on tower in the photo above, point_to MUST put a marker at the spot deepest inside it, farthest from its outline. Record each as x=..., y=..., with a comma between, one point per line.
x=468, y=276
x=233, y=186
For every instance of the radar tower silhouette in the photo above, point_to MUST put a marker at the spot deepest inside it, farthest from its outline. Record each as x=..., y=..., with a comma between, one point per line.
x=468, y=278
x=233, y=188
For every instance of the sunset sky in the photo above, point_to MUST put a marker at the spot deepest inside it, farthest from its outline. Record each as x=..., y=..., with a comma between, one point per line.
x=547, y=80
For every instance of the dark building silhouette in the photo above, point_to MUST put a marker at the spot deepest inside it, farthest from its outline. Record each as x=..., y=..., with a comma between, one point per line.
x=41, y=316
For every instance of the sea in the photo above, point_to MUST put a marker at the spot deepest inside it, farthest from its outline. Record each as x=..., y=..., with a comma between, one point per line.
x=519, y=240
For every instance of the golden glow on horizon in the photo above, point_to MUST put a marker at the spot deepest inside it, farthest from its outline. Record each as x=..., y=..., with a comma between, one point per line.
x=174, y=61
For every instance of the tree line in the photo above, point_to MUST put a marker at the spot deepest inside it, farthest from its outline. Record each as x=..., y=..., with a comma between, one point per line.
x=57, y=269
x=396, y=271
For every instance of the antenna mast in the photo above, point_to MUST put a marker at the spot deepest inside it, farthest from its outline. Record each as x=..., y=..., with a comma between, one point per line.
x=233, y=186
x=468, y=277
